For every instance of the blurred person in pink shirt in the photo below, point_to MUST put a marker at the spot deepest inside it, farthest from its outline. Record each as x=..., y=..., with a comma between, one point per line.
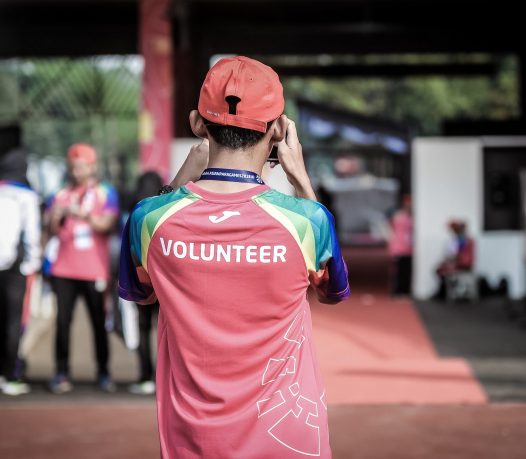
x=82, y=215
x=401, y=248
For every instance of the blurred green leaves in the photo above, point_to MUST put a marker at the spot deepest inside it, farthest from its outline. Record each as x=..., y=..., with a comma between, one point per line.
x=422, y=102
x=62, y=101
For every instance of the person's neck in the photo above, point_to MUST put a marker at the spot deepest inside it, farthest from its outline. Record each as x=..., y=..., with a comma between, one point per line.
x=228, y=159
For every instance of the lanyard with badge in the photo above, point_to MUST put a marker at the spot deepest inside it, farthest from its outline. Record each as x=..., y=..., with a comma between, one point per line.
x=82, y=231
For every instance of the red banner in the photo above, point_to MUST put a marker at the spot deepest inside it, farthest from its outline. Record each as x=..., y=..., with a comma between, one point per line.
x=155, y=119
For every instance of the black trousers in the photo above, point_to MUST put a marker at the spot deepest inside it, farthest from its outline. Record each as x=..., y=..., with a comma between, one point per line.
x=403, y=267
x=146, y=313
x=67, y=291
x=12, y=291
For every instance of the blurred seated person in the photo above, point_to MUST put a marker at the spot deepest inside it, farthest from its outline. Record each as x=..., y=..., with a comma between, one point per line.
x=460, y=255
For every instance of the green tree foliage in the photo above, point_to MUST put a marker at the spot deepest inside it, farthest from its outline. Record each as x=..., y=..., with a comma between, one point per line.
x=422, y=102
x=59, y=102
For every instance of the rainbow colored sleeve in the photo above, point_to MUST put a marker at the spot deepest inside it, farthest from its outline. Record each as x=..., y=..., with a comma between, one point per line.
x=312, y=226
x=147, y=216
x=134, y=283
x=109, y=196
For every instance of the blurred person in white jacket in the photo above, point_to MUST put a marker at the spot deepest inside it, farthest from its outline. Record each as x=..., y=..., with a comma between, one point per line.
x=19, y=257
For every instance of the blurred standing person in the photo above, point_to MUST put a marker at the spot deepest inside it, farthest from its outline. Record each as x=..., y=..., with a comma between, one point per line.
x=401, y=248
x=19, y=260
x=82, y=215
x=148, y=185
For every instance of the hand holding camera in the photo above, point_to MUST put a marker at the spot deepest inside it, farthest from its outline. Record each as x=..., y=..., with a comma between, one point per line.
x=290, y=156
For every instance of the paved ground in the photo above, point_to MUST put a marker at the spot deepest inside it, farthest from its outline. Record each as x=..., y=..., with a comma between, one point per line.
x=425, y=432
x=484, y=335
x=127, y=430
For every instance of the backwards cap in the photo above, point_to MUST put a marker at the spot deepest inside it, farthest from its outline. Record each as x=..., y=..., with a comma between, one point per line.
x=254, y=87
x=82, y=151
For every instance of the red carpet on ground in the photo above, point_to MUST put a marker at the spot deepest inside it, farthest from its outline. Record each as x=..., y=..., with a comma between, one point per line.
x=374, y=349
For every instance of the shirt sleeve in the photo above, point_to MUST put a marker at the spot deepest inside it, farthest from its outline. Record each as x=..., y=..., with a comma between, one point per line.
x=49, y=203
x=111, y=204
x=31, y=235
x=331, y=281
x=134, y=281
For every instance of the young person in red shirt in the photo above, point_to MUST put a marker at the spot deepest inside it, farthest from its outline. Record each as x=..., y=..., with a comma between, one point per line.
x=230, y=261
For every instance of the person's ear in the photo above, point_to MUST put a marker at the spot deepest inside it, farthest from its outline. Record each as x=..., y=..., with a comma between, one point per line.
x=197, y=125
x=279, y=129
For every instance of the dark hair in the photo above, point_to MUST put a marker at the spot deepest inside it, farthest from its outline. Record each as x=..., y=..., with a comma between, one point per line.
x=13, y=165
x=10, y=137
x=234, y=137
x=148, y=184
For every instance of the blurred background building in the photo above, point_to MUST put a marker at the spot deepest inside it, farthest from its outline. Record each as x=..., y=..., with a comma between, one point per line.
x=363, y=78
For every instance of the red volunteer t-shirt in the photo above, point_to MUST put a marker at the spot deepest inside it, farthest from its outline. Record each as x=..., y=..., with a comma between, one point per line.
x=84, y=253
x=237, y=375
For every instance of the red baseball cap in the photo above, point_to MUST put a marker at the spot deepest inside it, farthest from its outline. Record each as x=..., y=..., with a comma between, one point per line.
x=82, y=151
x=256, y=85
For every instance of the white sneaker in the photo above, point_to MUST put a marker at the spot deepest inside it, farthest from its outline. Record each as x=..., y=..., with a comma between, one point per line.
x=15, y=388
x=142, y=388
